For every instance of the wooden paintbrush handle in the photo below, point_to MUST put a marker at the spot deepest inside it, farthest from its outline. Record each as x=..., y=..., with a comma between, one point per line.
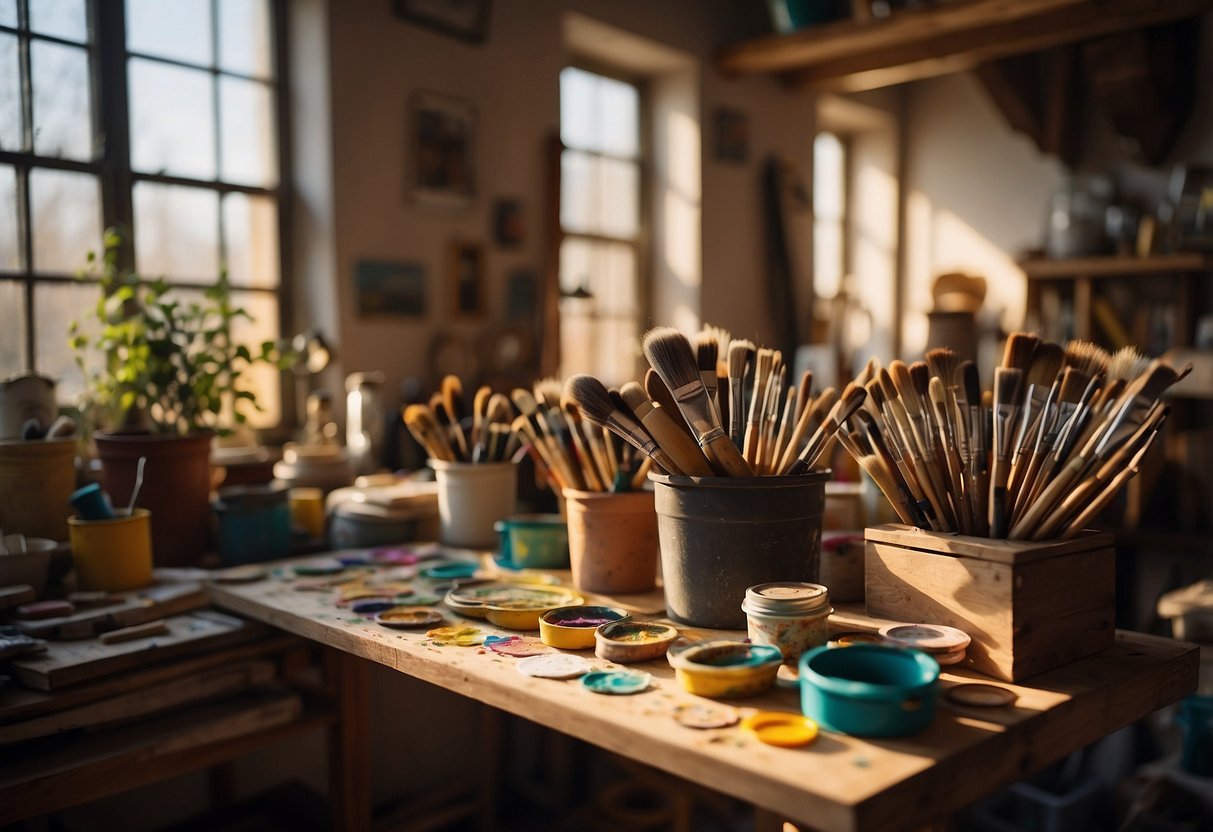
x=727, y=460
x=1097, y=505
x=659, y=393
x=682, y=449
x=1023, y=529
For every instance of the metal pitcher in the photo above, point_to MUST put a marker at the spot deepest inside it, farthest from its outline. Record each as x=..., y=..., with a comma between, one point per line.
x=26, y=397
x=364, y=426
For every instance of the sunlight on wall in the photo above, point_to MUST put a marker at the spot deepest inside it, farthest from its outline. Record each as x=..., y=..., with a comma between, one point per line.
x=874, y=247
x=680, y=242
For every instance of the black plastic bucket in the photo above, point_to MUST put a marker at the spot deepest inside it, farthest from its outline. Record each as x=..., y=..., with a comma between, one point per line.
x=721, y=535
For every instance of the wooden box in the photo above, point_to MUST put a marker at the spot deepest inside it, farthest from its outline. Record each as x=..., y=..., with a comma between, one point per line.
x=1028, y=606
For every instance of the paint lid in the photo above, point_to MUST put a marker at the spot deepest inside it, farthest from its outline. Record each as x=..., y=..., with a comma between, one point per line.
x=616, y=682
x=704, y=715
x=981, y=695
x=930, y=638
x=554, y=666
x=782, y=729
x=787, y=598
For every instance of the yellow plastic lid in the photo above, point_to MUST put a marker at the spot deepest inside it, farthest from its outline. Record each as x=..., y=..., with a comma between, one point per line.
x=780, y=728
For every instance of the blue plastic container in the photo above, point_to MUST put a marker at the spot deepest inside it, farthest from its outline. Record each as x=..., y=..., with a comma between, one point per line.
x=869, y=690
x=533, y=541
x=254, y=523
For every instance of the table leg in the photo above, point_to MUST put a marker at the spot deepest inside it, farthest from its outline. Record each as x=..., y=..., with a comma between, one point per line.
x=491, y=722
x=350, y=741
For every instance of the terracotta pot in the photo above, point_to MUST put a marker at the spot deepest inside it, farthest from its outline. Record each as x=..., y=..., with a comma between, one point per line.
x=612, y=541
x=36, y=480
x=176, y=488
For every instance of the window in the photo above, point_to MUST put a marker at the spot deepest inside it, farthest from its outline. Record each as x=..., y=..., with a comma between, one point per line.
x=600, y=216
x=160, y=117
x=829, y=214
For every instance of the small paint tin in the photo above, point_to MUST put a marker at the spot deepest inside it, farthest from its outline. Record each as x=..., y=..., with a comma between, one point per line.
x=945, y=644
x=616, y=682
x=727, y=668
x=399, y=619
x=516, y=615
x=869, y=690
x=781, y=729
x=791, y=615
x=979, y=695
x=449, y=571
x=554, y=666
x=475, y=597
x=629, y=641
x=573, y=628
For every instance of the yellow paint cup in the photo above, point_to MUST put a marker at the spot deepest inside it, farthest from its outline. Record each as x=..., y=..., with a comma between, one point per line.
x=307, y=510
x=112, y=555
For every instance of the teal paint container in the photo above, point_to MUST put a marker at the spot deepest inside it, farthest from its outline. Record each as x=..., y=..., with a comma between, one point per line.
x=869, y=690
x=254, y=523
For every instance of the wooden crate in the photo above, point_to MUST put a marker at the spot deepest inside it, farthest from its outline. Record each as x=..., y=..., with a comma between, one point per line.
x=1028, y=606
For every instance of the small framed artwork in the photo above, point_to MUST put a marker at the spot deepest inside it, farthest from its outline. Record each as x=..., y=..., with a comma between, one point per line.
x=522, y=296
x=443, y=145
x=731, y=131
x=390, y=288
x=464, y=19
x=509, y=224
x=467, y=278
x=1191, y=193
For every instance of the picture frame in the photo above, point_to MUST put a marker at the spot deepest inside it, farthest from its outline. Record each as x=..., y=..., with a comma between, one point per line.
x=466, y=20
x=731, y=135
x=509, y=223
x=467, y=279
x=1191, y=193
x=390, y=288
x=442, y=170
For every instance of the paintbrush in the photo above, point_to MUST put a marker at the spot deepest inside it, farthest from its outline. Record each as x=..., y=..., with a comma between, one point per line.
x=1104, y=497
x=917, y=437
x=804, y=393
x=537, y=452
x=1073, y=383
x=741, y=355
x=1017, y=354
x=950, y=455
x=660, y=394
x=785, y=432
x=917, y=507
x=850, y=401
x=528, y=406
x=591, y=440
x=863, y=453
x=423, y=425
x=898, y=420
x=669, y=352
x=812, y=415
x=596, y=404
x=766, y=441
x=762, y=373
x=585, y=457
x=480, y=404
x=452, y=400
x=933, y=453
x=1007, y=382
x=680, y=447
x=706, y=351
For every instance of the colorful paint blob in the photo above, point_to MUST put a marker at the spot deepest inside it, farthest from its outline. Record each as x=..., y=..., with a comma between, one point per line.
x=616, y=682
x=458, y=636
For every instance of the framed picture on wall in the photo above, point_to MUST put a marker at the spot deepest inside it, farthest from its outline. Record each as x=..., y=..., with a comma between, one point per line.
x=390, y=288
x=464, y=19
x=467, y=279
x=443, y=148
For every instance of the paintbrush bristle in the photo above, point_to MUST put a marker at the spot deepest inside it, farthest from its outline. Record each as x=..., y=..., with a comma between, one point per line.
x=1046, y=363
x=1127, y=363
x=920, y=378
x=524, y=400
x=1006, y=385
x=970, y=383
x=765, y=362
x=942, y=362
x=499, y=408
x=885, y=378
x=1073, y=382
x=739, y=356
x=592, y=397
x=670, y=354
x=1088, y=357
x=869, y=371
x=548, y=390
x=633, y=396
x=936, y=392
x=452, y=396
x=903, y=384
x=876, y=392
x=721, y=336
x=852, y=399
x=1157, y=380
x=706, y=352
x=1018, y=350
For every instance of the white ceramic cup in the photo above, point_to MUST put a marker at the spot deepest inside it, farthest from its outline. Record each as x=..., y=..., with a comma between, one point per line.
x=472, y=497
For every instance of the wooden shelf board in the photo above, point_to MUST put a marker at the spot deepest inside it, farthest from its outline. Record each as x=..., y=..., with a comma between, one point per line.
x=1095, y=267
x=912, y=44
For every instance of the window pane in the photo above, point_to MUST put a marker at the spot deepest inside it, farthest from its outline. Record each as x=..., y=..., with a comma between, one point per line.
x=11, y=137
x=12, y=334
x=177, y=29
x=577, y=195
x=8, y=13
x=618, y=117
x=177, y=232
x=244, y=37
x=63, y=123
x=250, y=229
x=172, y=121
x=10, y=240
x=828, y=170
x=246, y=113
x=577, y=113
x=59, y=18
x=618, y=198
x=607, y=270
x=65, y=209
x=264, y=381
x=827, y=258
x=56, y=305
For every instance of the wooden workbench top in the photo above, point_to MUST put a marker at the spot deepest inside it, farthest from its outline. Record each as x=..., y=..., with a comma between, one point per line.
x=838, y=782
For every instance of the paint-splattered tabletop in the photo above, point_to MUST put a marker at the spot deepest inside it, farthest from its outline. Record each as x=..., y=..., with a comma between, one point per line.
x=837, y=782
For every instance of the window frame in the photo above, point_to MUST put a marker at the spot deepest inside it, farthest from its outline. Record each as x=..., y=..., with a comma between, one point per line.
x=111, y=162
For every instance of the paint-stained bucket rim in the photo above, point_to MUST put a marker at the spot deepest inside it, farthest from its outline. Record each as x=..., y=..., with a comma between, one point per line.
x=740, y=483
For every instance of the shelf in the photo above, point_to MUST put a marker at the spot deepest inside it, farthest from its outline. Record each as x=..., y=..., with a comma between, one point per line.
x=1095, y=267
x=854, y=55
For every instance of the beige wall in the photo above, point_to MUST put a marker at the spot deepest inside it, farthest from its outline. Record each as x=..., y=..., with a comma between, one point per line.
x=376, y=60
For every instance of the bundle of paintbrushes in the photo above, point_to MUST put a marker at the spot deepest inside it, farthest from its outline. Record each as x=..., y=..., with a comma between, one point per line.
x=1064, y=430
x=720, y=407
x=449, y=433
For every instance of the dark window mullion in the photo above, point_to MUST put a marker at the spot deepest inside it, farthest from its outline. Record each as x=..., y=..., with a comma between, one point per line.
x=23, y=191
x=208, y=184
x=110, y=91
x=218, y=130
x=214, y=70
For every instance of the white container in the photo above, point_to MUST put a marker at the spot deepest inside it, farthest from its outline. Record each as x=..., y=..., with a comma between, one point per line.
x=792, y=616
x=472, y=497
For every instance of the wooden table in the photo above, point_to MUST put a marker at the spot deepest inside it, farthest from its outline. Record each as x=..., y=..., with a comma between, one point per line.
x=837, y=783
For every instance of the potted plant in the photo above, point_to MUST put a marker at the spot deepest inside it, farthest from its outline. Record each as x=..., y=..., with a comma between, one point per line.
x=163, y=377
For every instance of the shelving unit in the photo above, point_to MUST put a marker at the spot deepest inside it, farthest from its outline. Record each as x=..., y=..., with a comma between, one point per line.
x=865, y=53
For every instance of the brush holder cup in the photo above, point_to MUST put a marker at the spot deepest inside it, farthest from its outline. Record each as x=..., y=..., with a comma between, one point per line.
x=613, y=544
x=36, y=480
x=112, y=555
x=472, y=497
x=721, y=535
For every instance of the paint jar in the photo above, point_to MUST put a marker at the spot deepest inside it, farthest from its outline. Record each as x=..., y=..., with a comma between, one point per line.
x=36, y=480
x=472, y=497
x=307, y=510
x=726, y=669
x=354, y=525
x=112, y=555
x=869, y=690
x=534, y=541
x=254, y=523
x=613, y=544
x=792, y=616
x=721, y=535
